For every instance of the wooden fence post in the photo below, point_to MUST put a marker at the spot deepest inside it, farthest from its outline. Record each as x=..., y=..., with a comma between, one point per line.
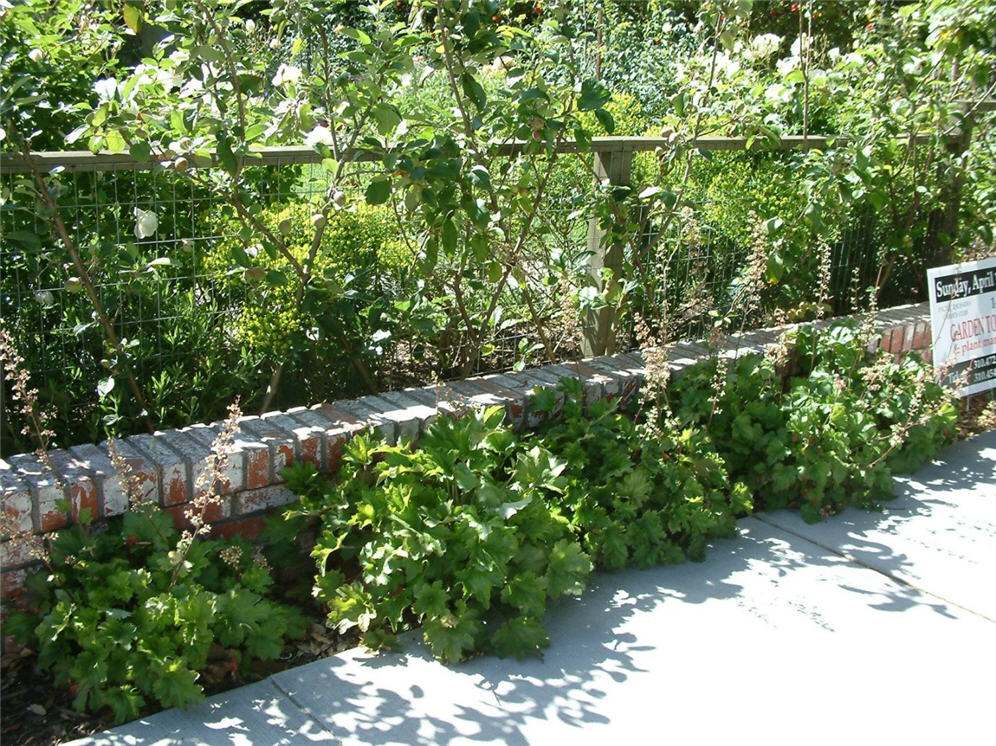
x=600, y=326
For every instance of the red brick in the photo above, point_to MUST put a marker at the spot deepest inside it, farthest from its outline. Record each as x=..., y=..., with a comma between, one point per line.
x=179, y=517
x=251, y=501
x=12, y=583
x=247, y=528
x=174, y=481
x=308, y=439
x=342, y=418
x=80, y=488
x=45, y=495
x=16, y=552
x=146, y=474
x=909, y=333
x=52, y=520
x=233, y=474
x=898, y=335
x=97, y=463
x=16, y=501
x=257, y=469
x=279, y=442
x=335, y=444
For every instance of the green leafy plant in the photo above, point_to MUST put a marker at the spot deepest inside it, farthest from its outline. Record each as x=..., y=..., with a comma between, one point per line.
x=825, y=433
x=341, y=328
x=459, y=536
x=121, y=624
x=135, y=613
x=638, y=494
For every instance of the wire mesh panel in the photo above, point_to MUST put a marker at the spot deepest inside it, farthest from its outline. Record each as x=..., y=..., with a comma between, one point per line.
x=149, y=280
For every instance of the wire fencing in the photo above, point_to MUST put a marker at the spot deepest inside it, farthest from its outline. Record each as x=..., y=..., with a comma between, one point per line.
x=196, y=330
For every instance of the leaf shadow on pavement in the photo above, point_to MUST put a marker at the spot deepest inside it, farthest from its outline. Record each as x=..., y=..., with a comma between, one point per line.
x=597, y=644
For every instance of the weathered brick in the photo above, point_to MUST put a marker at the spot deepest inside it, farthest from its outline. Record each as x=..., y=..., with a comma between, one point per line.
x=245, y=528
x=342, y=418
x=546, y=381
x=368, y=411
x=45, y=494
x=896, y=336
x=251, y=501
x=475, y=395
x=279, y=441
x=411, y=415
x=79, y=488
x=632, y=370
x=442, y=400
x=513, y=399
x=233, y=475
x=592, y=381
x=688, y=353
x=909, y=332
x=15, y=552
x=335, y=435
x=113, y=496
x=213, y=513
x=195, y=454
x=15, y=495
x=539, y=377
x=145, y=474
x=171, y=470
x=921, y=335
x=12, y=583
x=617, y=380
x=326, y=429
x=179, y=515
x=256, y=455
x=307, y=439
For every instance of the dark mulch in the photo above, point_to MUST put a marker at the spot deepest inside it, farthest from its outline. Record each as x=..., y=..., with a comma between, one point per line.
x=35, y=712
x=978, y=415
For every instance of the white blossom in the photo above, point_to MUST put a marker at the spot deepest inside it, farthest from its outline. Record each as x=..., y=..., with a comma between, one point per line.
x=763, y=46
x=786, y=65
x=778, y=93
x=286, y=74
x=146, y=223
x=725, y=65
x=105, y=88
x=319, y=135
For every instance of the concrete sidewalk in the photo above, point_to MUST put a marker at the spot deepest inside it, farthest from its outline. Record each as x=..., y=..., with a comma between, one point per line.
x=867, y=627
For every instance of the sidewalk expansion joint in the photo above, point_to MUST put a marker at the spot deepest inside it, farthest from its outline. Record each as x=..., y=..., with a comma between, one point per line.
x=856, y=561
x=305, y=710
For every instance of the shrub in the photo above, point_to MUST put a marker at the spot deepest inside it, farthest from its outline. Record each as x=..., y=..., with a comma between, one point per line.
x=638, y=495
x=827, y=436
x=140, y=615
x=459, y=536
x=338, y=319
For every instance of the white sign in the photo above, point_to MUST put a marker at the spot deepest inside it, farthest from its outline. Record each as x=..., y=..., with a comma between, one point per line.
x=963, y=324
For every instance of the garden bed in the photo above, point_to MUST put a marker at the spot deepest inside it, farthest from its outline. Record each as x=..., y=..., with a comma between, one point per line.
x=590, y=487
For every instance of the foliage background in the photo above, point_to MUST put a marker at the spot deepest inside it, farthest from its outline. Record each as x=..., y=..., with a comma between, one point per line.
x=471, y=260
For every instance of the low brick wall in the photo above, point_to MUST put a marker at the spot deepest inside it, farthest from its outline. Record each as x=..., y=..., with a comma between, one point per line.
x=169, y=463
